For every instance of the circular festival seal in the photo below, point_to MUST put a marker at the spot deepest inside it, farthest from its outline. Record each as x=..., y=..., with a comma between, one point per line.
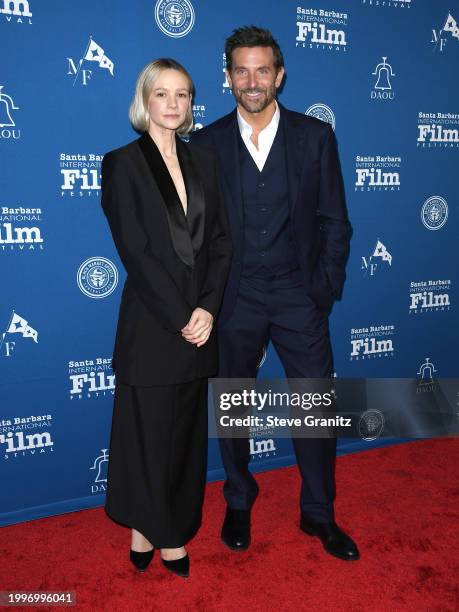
x=371, y=425
x=174, y=18
x=97, y=277
x=434, y=213
x=322, y=112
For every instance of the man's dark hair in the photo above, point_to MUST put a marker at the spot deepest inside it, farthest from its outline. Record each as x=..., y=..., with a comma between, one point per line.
x=251, y=36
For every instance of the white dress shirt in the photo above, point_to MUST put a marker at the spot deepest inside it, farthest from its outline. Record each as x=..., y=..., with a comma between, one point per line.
x=265, y=138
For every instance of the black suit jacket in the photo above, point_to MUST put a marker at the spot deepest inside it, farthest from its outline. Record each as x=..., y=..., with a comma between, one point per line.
x=174, y=262
x=318, y=216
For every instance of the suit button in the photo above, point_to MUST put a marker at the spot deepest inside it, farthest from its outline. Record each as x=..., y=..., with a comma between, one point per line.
x=263, y=253
x=263, y=209
x=263, y=232
x=261, y=185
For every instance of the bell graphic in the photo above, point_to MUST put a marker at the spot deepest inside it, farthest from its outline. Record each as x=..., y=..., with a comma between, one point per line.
x=384, y=72
x=101, y=464
x=6, y=105
x=426, y=370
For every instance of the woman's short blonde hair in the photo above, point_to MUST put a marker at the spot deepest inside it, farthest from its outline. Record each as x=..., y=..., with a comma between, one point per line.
x=138, y=111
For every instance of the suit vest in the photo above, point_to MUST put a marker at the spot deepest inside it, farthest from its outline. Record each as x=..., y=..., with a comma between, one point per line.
x=268, y=245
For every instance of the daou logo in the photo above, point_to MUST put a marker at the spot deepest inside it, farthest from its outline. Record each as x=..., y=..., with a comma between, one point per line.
x=382, y=89
x=175, y=19
x=8, y=127
x=100, y=467
x=93, y=53
x=16, y=10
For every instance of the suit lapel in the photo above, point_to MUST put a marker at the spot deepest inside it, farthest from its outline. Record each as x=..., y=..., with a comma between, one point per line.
x=195, y=196
x=178, y=226
x=228, y=150
x=295, y=154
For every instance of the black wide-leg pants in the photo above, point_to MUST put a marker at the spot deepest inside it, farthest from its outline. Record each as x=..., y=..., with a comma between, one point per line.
x=278, y=309
x=158, y=460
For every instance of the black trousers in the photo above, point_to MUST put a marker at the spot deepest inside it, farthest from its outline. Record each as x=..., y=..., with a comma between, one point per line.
x=278, y=309
x=158, y=460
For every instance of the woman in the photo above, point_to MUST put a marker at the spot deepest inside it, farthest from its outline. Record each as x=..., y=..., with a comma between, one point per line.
x=165, y=211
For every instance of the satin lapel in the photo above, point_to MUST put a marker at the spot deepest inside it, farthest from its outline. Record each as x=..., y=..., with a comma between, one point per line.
x=228, y=150
x=195, y=195
x=178, y=226
x=295, y=153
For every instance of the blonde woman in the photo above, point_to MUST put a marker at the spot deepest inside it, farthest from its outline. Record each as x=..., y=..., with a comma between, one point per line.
x=163, y=204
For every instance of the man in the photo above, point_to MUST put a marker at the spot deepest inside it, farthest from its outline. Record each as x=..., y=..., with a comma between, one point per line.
x=285, y=201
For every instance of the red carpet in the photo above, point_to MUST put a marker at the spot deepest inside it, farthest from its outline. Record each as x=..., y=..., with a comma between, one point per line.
x=400, y=503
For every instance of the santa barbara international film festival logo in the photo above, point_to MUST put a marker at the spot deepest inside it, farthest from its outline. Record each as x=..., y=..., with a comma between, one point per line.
x=91, y=378
x=199, y=114
x=322, y=112
x=16, y=325
x=82, y=71
x=23, y=436
x=438, y=130
x=8, y=108
x=377, y=173
x=434, y=213
x=99, y=472
x=80, y=174
x=382, y=87
x=175, y=19
x=97, y=277
x=225, y=84
x=380, y=257
x=317, y=28
x=372, y=342
x=429, y=296
x=449, y=32
x=16, y=11
x=19, y=229
x=388, y=3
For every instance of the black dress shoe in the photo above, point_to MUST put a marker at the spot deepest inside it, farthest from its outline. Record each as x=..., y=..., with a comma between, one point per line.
x=236, y=529
x=181, y=566
x=141, y=560
x=334, y=540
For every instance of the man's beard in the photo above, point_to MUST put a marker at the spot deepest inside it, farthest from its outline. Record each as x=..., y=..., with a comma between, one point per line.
x=254, y=106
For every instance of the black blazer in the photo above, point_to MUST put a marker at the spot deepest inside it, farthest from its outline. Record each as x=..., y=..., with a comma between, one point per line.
x=318, y=217
x=174, y=262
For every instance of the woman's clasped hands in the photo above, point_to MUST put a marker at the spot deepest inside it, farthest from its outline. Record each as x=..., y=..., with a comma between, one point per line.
x=198, y=328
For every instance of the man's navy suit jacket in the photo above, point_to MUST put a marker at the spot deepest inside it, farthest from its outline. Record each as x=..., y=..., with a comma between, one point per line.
x=318, y=217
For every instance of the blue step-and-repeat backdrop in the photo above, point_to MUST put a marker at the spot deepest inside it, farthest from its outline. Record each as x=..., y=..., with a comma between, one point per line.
x=383, y=72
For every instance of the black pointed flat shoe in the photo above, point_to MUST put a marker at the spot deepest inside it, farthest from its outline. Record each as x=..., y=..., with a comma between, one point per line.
x=181, y=566
x=141, y=560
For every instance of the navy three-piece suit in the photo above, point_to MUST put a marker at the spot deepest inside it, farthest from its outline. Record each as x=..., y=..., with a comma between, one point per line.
x=290, y=235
